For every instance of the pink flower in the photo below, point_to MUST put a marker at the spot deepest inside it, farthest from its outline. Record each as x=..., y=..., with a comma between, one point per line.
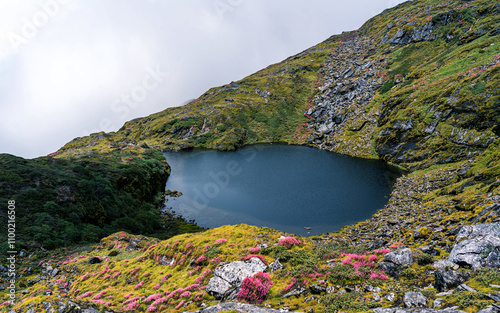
x=180, y=304
x=254, y=250
x=99, y=295
x=186, y=294
x=375, y=275
x=139, y=285
x=248, y=257
x=289, y=242
x=255, y=289
x=152, y=298
x=201, y=259
x=220, y=241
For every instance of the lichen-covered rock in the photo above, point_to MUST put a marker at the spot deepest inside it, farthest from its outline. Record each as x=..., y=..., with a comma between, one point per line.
x=229, y=276
x=235, y=306
x=448, y=279
x=415, y=299
x=481, y=247
x=400, y=257
x=390, y=268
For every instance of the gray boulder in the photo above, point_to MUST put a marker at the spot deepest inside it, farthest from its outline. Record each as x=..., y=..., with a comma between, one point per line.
x=238, y=307
x=390, y=268
x=400, y=257
x=448, y=279
x=478, y=246
x=415, y=299
x=229, y=276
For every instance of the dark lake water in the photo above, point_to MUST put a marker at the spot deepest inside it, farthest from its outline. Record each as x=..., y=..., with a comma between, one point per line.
x=283, y=187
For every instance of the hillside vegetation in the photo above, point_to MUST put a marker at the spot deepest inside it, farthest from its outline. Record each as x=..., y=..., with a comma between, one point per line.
x=416, y=86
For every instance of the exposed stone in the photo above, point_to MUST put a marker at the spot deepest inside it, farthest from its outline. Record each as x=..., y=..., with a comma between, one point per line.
x=390, y=268
x=229, y=276
x=415, y=299
x=400, y=257
x=429, y=250
x=94, y=260
x=480, y=246
x=235, y=306
x=317, y=289
x=276, y=265
x=448, y=279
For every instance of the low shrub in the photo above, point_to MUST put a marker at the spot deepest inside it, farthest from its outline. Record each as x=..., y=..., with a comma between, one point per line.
x=255, y=289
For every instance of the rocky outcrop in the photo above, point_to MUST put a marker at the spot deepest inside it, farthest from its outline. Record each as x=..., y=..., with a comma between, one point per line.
x=229, y=276
x=448, y=279
x=478, y=246
x=415, y=299
x=417, y=310
x=238, y=307
x=350, y=81
x=395, y=261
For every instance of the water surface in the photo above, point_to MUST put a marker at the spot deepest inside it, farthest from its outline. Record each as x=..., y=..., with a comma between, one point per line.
x=289, y=188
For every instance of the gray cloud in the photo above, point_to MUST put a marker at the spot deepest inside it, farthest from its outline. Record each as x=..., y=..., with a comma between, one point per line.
x=71, y=67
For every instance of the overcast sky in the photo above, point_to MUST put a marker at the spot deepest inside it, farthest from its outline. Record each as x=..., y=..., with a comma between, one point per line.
x=73, y=67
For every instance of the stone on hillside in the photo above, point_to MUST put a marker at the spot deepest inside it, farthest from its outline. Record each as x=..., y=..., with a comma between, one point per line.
x=480, y=247
x=390, y=268
x=229, y=276
x=317, y=289
x=94, y=260
x=448, y=279
x=429, y=250
x=464, y=287
x=236, y=307
x=415, y=299
x=445, y=264
x=276, y=265
x=400, y=257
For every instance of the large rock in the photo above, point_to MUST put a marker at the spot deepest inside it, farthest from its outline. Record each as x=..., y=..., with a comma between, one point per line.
x=448, y=279
x=419, y=310
x=478, y=246
x=400, y=257
x=415, y=299
x=229, y=276
x=390, y=268
x=236, y=307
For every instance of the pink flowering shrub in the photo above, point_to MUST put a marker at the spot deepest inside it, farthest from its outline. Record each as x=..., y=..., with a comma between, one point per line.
x=382, y=251
x=375, y=275
x=139, y=285
x=5, y=303
x=396, y=245
x=294, y=281
x=255, y=289
x=85, y=295
x=220, y=241
x=254, y=250
x=152, y=298
x=99, y=295
x=180, y=304
x=186, y=294
x=131, y=306
x=201, y=259
x=84, y=277
x=165, y=277
x=289, y=242
x=248, y=257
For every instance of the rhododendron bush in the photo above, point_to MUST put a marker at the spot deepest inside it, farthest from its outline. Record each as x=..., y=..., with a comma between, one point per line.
x=255, y=289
